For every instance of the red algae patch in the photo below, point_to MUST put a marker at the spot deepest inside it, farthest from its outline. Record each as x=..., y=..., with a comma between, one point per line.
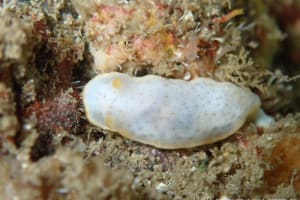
x=285, y=164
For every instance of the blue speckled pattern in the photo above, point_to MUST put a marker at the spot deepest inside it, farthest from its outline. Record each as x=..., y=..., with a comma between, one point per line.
x=168, y=113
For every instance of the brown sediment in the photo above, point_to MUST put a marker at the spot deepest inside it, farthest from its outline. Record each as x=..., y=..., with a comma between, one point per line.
x=284, y=164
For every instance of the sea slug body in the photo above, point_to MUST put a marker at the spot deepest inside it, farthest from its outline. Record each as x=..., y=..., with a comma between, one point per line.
x=168, y=113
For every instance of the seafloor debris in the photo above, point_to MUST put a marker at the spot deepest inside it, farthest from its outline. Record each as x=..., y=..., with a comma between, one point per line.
x=169, y=38
x=56, y=114
x=9, y=124
x=59, y=177
x=47, y=46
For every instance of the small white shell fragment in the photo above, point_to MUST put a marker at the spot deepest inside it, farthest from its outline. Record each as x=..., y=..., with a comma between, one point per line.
x=224, y=198
x=161, y=187
x=168, y=113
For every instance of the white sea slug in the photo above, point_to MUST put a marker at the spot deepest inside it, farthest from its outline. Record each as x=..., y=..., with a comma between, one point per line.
x=168, y=113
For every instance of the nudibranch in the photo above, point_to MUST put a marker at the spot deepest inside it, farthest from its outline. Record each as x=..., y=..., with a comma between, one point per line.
x=169, y=113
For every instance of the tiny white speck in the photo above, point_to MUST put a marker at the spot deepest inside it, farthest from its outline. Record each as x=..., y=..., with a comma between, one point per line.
x=27, y=126
x=269, y=138
x=187, y=76
x=161, y=187
x=193, y=169
x=224, y=198
x=62, y=190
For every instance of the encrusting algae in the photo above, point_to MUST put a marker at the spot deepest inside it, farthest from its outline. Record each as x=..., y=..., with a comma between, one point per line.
x=166, y=38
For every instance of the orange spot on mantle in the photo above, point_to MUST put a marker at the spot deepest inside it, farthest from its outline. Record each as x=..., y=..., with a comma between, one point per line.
x=109, y=121
x=117, y=83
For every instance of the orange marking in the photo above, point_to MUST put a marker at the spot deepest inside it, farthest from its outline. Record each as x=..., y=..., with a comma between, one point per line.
x=117, y=83
x=109, y=121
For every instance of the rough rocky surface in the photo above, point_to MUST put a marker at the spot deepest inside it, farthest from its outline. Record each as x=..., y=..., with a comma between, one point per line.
x=48, y=149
